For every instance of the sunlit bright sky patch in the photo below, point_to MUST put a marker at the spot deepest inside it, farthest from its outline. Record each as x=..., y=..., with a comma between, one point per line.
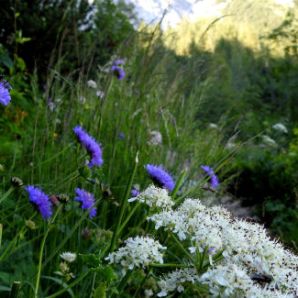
x=152, y=10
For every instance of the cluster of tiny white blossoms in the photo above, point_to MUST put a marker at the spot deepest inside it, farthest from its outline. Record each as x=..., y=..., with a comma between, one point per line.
x=248, y=253
x=137, y=252
x=233, y=281
x=154, y=197
x=280, y=127
x=175, y=280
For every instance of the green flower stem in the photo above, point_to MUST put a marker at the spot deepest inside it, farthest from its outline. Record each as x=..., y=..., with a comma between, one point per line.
x=183, y=248
x=3, y=198
x=123, y=205
x=102, y=102
x=15, y=288
x=70, y=285
x=56, y=155
x=39, y=268
x=93, y=284
x=67, y=237
x=178, y=184
x=128, y=217
x=202, y=257
x=12, y=243
x=1, y=232
x=140, y=287
x=123, y=283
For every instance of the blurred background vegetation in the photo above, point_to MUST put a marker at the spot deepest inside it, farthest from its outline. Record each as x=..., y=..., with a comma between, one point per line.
x=214, y=89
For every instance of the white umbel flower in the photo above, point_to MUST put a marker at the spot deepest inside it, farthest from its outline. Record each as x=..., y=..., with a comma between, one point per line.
x=246, y=247
x=175, y=281
x=280, y=127
x=91, y=84
x=68, y=256
x=268, y=141
x=137, y=252
x=154, y=197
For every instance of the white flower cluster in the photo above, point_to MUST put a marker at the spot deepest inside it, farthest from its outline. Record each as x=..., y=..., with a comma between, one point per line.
x=192, y=220
x=233, y=281
x=268, y=141
x=280, y=127
x=68, y=256
x=154, y=197
x=248, y=253
x=174, y=281
x=137, y=252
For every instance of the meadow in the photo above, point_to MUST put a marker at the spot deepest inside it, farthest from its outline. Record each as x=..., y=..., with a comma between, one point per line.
x=116, y=153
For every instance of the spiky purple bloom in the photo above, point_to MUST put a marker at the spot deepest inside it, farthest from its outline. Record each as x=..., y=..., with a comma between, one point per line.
x=213, y=178
x=92, y=147
x=160, y=176
x=87, y=200
x=4, y=94
x=41, y=200
x=118, y=72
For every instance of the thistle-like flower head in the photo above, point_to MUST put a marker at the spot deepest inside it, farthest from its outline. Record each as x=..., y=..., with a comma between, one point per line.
x=4, y=93
x=41, y=200
x=92, y=147
x=87, y=200
x=160, y=177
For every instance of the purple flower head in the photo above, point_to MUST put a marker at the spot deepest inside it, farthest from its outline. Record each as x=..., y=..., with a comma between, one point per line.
x=87, y=200
x=90, y=145
x=118, y=72
x=4, y=93
x=134, y=192
x=160, y=177
x=41, y=200
x=213, y=178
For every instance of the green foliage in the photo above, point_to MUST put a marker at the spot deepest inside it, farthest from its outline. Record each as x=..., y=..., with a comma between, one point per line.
x=75, y=33
x=268, y=180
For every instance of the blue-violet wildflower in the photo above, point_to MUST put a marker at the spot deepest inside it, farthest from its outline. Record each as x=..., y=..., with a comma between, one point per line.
x=87, y=200
x=41, y=200
x=117, y=70
x=134, y=192
x=91, y=146
x=160, y=177
x=213, y=178
x=4, y=93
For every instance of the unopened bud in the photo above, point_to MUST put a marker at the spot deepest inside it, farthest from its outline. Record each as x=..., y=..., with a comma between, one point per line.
x=16, y=181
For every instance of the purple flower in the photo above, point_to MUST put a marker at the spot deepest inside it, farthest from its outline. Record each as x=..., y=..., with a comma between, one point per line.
x=118, y=72
x=4, y=93
x=90, y=145
x=87, y=200
x=160, y=177
x=134, y=192
x=41, y=200
x=213, y=178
